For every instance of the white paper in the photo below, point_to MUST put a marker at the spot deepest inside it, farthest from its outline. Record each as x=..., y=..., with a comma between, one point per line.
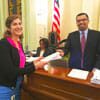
x=77, y=73
x=53, y=56
x=96, y=77
x=30, y=59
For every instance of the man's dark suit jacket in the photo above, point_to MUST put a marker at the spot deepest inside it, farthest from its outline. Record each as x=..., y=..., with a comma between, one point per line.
x=47, y=52
x=91, y=53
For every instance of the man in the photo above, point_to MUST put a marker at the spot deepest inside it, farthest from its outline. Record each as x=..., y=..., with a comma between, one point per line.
x=83, y=45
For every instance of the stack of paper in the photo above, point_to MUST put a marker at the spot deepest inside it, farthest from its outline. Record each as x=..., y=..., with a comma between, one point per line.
x=96, y=77
x=77, y=73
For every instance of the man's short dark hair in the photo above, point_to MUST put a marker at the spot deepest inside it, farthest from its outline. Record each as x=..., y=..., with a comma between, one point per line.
x=80, y=14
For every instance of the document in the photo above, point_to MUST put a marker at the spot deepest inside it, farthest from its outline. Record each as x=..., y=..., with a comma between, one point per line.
x=96, y=77
x=77, y=73
x=53, y=56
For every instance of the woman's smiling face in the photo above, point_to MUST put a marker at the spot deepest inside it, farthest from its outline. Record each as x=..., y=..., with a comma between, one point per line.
x=16, y=27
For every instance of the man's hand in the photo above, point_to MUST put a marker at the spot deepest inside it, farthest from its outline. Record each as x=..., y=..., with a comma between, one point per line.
x=60, y=51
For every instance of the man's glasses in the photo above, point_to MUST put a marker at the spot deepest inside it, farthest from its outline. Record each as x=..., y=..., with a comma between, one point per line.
x=82, y=20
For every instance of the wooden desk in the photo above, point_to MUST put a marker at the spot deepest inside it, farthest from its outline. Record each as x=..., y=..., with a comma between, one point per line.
x=44, y=86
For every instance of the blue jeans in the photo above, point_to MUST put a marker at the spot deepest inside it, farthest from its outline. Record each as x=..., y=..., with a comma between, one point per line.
x=17, y=90
x=6, y=93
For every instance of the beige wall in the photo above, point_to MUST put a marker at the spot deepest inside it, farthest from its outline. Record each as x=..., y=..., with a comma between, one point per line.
x=3, y=15
x=70, y=10
x=29, y=23
x=93, y=9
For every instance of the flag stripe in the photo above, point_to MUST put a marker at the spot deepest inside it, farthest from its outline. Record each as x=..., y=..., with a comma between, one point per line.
x=56, y=19
x=57, y=11
x=55, y=25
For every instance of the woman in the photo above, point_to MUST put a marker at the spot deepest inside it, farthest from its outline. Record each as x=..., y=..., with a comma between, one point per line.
x=12, y=60
x=44, y=49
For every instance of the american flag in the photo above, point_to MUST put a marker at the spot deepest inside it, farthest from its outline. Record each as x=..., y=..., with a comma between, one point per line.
x=56, y=19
